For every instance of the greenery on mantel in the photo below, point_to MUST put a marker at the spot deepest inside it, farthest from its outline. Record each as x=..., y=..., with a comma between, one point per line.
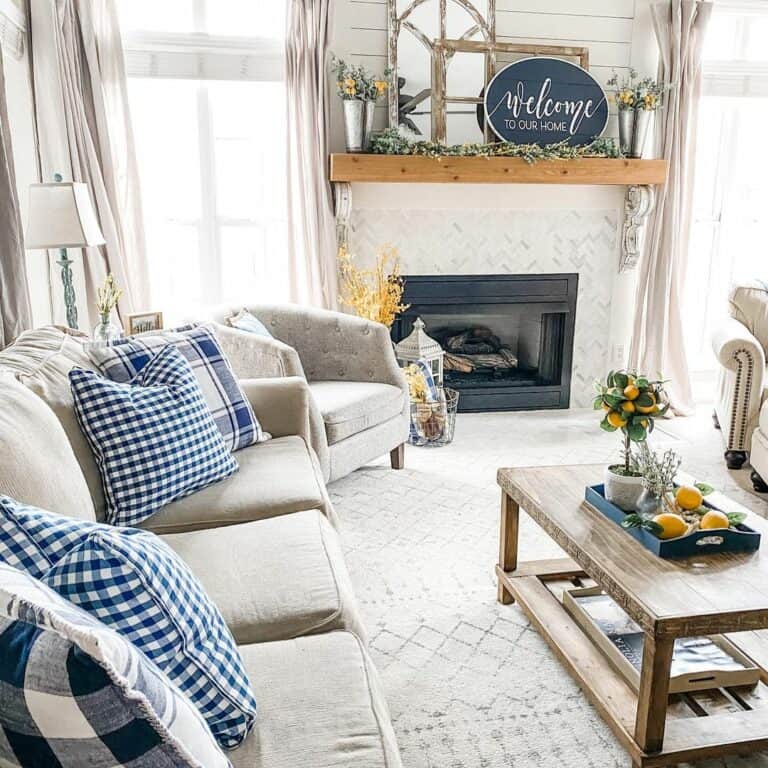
x=392, y=142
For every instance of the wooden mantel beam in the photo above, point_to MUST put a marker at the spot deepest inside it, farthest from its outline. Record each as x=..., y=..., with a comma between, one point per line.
x=352, y=168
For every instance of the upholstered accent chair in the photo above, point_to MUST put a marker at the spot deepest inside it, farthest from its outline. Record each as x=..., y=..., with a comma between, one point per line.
x=740, y=345
x=359, y=406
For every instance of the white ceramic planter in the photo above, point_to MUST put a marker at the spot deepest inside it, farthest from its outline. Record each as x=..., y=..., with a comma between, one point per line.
x=622, y=491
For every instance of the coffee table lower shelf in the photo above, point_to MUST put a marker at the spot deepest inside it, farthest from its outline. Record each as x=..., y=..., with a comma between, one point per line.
x=699, y=725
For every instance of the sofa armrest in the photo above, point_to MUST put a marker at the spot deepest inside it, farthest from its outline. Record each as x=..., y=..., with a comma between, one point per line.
x=732, y=341
x=281, y=405
x=257, y=357
x=740, y=382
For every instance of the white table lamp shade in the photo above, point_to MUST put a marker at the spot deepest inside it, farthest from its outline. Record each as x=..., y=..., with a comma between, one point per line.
x=61, y=216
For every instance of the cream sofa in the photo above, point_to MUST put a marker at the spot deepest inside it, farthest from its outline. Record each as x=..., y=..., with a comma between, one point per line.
x=359, y=405
x=740, y=345
x=263, y=543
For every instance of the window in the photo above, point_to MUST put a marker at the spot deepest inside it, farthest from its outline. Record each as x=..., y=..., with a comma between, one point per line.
x=730, y=216
x=208, y=105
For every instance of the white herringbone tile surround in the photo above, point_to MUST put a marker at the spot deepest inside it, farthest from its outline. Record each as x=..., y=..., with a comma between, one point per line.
x=469, y=682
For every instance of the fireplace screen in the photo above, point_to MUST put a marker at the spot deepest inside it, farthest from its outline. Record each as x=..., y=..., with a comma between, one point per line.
x=508, y=340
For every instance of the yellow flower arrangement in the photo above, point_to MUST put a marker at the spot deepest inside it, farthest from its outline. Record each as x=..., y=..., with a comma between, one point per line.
x=375, y=294
x=417, y=384
x=108, y=295
x=354, y=81
x=380, y=86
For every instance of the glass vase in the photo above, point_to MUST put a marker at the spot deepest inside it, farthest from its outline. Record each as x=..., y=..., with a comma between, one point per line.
x=106, y=331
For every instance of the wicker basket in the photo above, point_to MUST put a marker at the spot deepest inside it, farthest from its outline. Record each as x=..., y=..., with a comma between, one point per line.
x=432, y=424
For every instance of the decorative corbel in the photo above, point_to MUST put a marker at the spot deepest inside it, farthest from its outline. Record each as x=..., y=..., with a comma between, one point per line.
x=638, y=205
x=342, y=193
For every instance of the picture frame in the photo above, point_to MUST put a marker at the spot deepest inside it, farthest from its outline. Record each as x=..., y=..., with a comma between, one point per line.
x=143, y=322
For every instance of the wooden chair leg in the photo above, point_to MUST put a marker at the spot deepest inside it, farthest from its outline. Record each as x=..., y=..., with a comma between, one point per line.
x=397, y=457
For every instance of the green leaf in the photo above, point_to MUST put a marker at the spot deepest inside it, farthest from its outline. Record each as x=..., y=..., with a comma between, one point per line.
x=704, y=488
x=636, y=433
x=598, y=404
x=613, y=400
x=644, y=400
x=609, y=380
x=638, y=521
x=607, y=426
x=642, y=383
x=620, y=380
x=736, y=518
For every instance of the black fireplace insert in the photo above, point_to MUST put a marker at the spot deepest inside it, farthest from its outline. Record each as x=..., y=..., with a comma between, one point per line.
x=508, y=339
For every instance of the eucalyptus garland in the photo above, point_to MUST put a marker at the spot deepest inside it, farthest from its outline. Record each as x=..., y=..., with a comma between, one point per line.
x=392, y=142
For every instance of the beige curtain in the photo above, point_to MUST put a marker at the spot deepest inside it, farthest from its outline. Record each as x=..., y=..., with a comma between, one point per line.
x=84, y=133
x=311, y=227
x=657, y=338
x=15, y=311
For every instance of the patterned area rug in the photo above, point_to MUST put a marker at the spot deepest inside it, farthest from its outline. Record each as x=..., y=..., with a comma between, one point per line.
x=469, y=682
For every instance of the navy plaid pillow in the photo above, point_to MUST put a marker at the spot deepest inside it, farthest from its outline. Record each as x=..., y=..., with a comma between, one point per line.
x=230, y=407
x=134, y=583
x=154, y=438
x=74, y=693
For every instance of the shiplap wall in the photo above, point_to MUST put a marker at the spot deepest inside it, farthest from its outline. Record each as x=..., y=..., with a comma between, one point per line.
x=609, y=28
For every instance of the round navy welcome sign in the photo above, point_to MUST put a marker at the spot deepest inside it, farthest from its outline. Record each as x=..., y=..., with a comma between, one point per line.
x=545, y=100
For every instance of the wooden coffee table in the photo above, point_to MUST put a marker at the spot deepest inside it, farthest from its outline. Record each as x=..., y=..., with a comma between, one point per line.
x=704, y=595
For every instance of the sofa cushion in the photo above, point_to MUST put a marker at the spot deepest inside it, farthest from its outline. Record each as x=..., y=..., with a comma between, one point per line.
x=349, y=407
x=273, y=579
x=275, y=478
x=135, y=584
x=38, y=466
x=321, y=705
x=41, y=360
x=75, y=693
x=230, y=408
x=154, y=438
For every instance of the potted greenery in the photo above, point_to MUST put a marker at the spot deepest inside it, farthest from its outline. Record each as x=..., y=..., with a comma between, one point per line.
x=631, y=402
x=359, y=91
x=637, y=100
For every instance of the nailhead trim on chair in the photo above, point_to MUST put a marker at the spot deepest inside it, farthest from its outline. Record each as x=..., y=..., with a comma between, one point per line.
x=739, y=442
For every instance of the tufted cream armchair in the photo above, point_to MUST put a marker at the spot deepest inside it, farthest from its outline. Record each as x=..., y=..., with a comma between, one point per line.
x=741, y=410
x=360, y=407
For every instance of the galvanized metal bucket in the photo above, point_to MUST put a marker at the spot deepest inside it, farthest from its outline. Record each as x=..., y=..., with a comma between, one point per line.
x=358, y=124
x=633, y=131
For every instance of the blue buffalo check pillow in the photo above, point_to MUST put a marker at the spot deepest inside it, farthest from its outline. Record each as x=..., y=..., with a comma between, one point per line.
x=134, y=583
x=231, y=410
x=153, y=438
x=75, y=693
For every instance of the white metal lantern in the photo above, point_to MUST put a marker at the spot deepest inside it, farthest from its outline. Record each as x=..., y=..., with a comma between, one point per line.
x=419, y=346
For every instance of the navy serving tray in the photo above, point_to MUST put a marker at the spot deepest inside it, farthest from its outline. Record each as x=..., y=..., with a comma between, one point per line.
x=741, y=539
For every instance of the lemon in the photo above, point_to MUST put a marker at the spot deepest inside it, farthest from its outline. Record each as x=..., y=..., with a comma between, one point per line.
x=631, y=392
x=606, y=407
x=673, y=525
x=628, y=406
x=688, y=497
x=615, y=420
x=714, y=519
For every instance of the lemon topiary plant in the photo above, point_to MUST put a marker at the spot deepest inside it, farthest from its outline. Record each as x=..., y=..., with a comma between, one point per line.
x=630, y=402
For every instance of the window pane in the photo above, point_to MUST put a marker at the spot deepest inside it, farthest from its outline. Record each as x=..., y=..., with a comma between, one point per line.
x=153, y=16
x=262, y=18
x=253, y=264
x=249, y=133
x=164, y=116
x=723, y=36
x=757, y=50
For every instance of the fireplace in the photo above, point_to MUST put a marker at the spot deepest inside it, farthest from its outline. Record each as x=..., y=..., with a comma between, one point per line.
x=508, y=338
